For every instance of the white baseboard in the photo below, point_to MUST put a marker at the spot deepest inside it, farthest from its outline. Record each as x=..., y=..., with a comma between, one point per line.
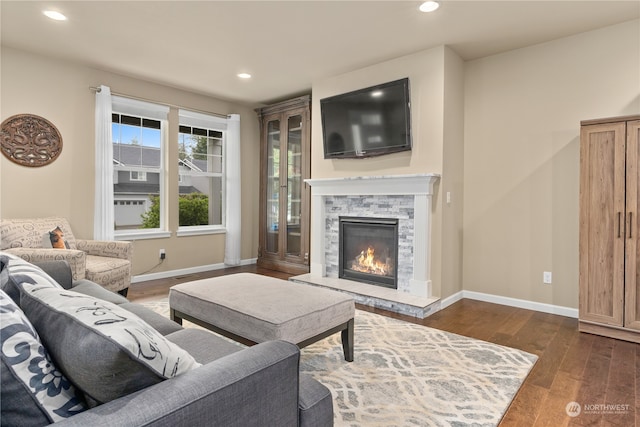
x=185, y=271
x=512, y=302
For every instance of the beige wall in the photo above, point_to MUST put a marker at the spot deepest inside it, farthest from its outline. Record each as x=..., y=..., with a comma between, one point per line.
x=436, y=122
x=521, y=157
x=516, y=157
x=450, y=249
x=426, y=73
x=59, y=92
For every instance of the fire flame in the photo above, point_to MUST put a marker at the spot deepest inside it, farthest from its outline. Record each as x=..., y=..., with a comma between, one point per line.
x=366, y=262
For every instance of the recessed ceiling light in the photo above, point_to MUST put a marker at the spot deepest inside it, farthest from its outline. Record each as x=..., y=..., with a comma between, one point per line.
x=244, y=75
x=56, y=16
x=376, y=94
x=429, y=6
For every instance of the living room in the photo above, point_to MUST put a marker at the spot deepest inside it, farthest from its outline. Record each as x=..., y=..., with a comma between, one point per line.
x=482, y=163
x=502, y=131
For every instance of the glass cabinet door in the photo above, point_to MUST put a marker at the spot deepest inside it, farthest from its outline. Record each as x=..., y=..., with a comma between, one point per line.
x=284, y=197
x=294, y=184
x=273, y=186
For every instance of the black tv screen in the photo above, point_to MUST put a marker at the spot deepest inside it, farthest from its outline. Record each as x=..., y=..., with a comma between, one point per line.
x=367, y=122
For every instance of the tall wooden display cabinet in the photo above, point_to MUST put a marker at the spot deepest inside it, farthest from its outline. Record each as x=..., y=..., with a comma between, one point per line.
x=285, y=161
x=609, y=227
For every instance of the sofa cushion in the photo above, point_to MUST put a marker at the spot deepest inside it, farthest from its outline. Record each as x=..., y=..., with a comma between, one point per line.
x=162, y=324
x=92, y=289
x=315, y=406
x=14, y=271
x=204, y=346
x=107, y=351
x=34, y=392
x=58, y=270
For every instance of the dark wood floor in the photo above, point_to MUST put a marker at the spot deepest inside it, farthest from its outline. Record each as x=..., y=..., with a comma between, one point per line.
x=601, y=374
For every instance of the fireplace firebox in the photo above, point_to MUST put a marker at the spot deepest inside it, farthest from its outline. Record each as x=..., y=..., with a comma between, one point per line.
x=369, y=250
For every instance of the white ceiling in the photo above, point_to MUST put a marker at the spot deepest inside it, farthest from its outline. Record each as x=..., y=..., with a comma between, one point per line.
x=200, y=46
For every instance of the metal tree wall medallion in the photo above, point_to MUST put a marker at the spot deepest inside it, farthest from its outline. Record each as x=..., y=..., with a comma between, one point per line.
x=30, y=140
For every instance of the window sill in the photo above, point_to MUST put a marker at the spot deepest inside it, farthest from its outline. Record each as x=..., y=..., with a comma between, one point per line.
x=142, y=234
x=197, y=231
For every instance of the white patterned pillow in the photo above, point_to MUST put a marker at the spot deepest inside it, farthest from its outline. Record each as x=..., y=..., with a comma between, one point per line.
x=107, y=351
x=14, y=271
x=34, y=391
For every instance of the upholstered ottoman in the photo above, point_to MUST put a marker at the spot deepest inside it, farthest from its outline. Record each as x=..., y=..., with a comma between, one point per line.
x=254, y=308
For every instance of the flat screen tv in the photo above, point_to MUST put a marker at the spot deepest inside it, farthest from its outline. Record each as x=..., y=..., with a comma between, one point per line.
x=367, y=122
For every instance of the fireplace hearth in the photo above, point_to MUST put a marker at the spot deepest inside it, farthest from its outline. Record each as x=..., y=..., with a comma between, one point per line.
x=369, y=250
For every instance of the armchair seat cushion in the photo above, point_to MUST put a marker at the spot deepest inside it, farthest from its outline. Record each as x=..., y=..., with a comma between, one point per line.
x=113, y=274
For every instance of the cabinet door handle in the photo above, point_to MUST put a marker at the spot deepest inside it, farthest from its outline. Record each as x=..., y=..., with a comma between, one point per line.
x=630, y=224
x=619, y=224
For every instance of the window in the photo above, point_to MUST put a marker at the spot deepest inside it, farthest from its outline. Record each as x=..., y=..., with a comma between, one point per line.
x=132, y=141
x=138, y=130
x=137, y=176
x=201, y=164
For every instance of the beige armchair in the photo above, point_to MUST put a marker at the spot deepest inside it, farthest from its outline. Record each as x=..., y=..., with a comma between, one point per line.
x=106, y=263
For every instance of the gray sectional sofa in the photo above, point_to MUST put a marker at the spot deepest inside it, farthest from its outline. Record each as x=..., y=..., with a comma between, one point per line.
x=215, y=383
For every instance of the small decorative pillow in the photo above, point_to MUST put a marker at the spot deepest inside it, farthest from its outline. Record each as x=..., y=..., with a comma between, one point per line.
x=56, y=239
x=34, y=391
x=14, y=271
x=107, y=351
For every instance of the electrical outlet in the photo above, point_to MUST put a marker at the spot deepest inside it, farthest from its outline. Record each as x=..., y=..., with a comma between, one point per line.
x=546, y=277
x=163, y=254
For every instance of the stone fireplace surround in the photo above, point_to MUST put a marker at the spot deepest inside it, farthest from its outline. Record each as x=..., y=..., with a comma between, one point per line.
x=406, y=197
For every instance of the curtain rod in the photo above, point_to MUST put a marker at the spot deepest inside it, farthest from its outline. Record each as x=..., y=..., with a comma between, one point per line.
x=225, y=116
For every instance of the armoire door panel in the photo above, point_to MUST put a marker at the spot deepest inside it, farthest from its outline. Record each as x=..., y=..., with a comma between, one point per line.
x=602, y=223
x=632, y=264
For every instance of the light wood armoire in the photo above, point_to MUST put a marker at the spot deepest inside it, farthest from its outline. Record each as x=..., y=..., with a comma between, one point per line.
x=609, y=226
x=285, y=199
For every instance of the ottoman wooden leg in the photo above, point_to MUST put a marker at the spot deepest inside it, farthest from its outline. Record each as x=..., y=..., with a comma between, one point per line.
x=173, y=316
x=347, y=341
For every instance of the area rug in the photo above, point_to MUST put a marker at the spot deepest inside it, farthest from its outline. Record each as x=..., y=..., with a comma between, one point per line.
x=411, y=375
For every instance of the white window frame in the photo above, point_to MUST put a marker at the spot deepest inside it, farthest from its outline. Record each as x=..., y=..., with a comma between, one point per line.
x=209, y=122
x=147, y=110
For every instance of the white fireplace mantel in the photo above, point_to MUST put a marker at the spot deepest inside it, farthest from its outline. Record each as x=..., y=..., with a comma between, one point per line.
x=420, y=186
x=372, y=185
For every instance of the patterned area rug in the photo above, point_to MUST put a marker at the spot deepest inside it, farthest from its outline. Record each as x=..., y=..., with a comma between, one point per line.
x=411, y=375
